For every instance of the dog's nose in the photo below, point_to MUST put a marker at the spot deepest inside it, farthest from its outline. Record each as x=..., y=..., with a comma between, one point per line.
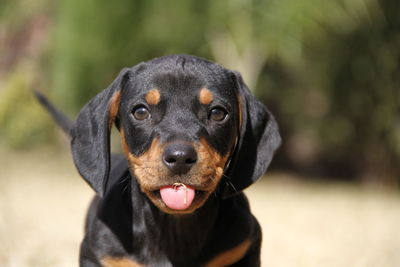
x=179, y=157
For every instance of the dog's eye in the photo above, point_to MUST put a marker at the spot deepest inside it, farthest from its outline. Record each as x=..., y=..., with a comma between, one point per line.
x=217, y=114
x=141, y=113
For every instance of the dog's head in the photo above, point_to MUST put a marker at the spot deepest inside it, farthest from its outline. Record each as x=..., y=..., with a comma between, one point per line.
x=186, y=124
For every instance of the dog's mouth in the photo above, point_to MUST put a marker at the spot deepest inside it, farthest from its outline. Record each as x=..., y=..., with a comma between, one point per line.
x=178, y=183
x=178, y=198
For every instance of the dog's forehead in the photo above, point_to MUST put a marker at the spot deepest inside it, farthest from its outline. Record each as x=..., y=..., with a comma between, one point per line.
x=181, y=75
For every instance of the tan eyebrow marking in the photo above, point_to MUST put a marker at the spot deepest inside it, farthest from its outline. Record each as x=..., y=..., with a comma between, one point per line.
x=153, y=97
x=206, y=96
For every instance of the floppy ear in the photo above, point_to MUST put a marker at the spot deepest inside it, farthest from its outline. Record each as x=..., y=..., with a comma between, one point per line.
x=258, y=140
x=91, y=134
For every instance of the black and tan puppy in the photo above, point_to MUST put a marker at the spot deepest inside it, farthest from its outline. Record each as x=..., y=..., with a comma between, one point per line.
x=193, y=138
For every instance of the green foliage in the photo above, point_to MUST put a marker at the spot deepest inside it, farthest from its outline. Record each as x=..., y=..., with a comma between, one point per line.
x=328, y=69
x=94, y=40
x=343, y=95
x=23, y=122
x=364, y=90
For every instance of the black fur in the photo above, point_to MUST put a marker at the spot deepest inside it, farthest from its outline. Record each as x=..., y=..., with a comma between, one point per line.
x=123, y=222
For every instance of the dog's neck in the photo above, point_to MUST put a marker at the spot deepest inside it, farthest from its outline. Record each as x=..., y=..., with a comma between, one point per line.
x=176, y=236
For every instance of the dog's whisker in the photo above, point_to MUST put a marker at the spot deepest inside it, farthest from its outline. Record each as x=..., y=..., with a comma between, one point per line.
x=126, y=178
x=228, y=181
x=125, y=188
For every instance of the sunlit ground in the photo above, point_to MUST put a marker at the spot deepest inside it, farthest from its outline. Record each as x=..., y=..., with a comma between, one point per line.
x=43, y=202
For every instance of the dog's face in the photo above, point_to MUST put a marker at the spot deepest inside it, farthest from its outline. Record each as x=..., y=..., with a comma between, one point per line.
x=178, y=128
x=182, y=120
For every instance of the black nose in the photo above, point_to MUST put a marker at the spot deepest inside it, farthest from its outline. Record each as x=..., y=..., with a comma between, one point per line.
x=179, y=157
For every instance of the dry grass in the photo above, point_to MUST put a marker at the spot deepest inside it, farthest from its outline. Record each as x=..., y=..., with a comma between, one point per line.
x=308, y=224
x=43, y=202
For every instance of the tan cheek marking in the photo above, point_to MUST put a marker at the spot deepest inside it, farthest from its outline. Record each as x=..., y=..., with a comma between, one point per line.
x=146, y=166
x=231, y=256
x=153, y=97
x=151, y=155
x=206, y=96
x=119, y=262
x=211, y=158
x=113, y=107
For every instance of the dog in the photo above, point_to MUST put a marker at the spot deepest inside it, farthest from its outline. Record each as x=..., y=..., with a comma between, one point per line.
x=193, y=138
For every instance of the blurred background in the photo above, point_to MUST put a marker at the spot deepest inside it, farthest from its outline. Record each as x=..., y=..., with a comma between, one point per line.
x=328, y=70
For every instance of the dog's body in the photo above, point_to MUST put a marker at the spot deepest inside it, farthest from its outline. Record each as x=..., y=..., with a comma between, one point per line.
x=194, y=137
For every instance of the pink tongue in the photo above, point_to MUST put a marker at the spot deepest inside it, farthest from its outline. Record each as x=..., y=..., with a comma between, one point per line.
x=177, y=197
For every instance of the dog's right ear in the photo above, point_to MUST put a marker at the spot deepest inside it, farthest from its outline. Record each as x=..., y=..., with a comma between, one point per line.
x=91, y=133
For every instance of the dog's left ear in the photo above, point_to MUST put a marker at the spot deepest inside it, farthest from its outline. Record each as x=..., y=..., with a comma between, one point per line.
x=257, y=142
x=90, y=143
